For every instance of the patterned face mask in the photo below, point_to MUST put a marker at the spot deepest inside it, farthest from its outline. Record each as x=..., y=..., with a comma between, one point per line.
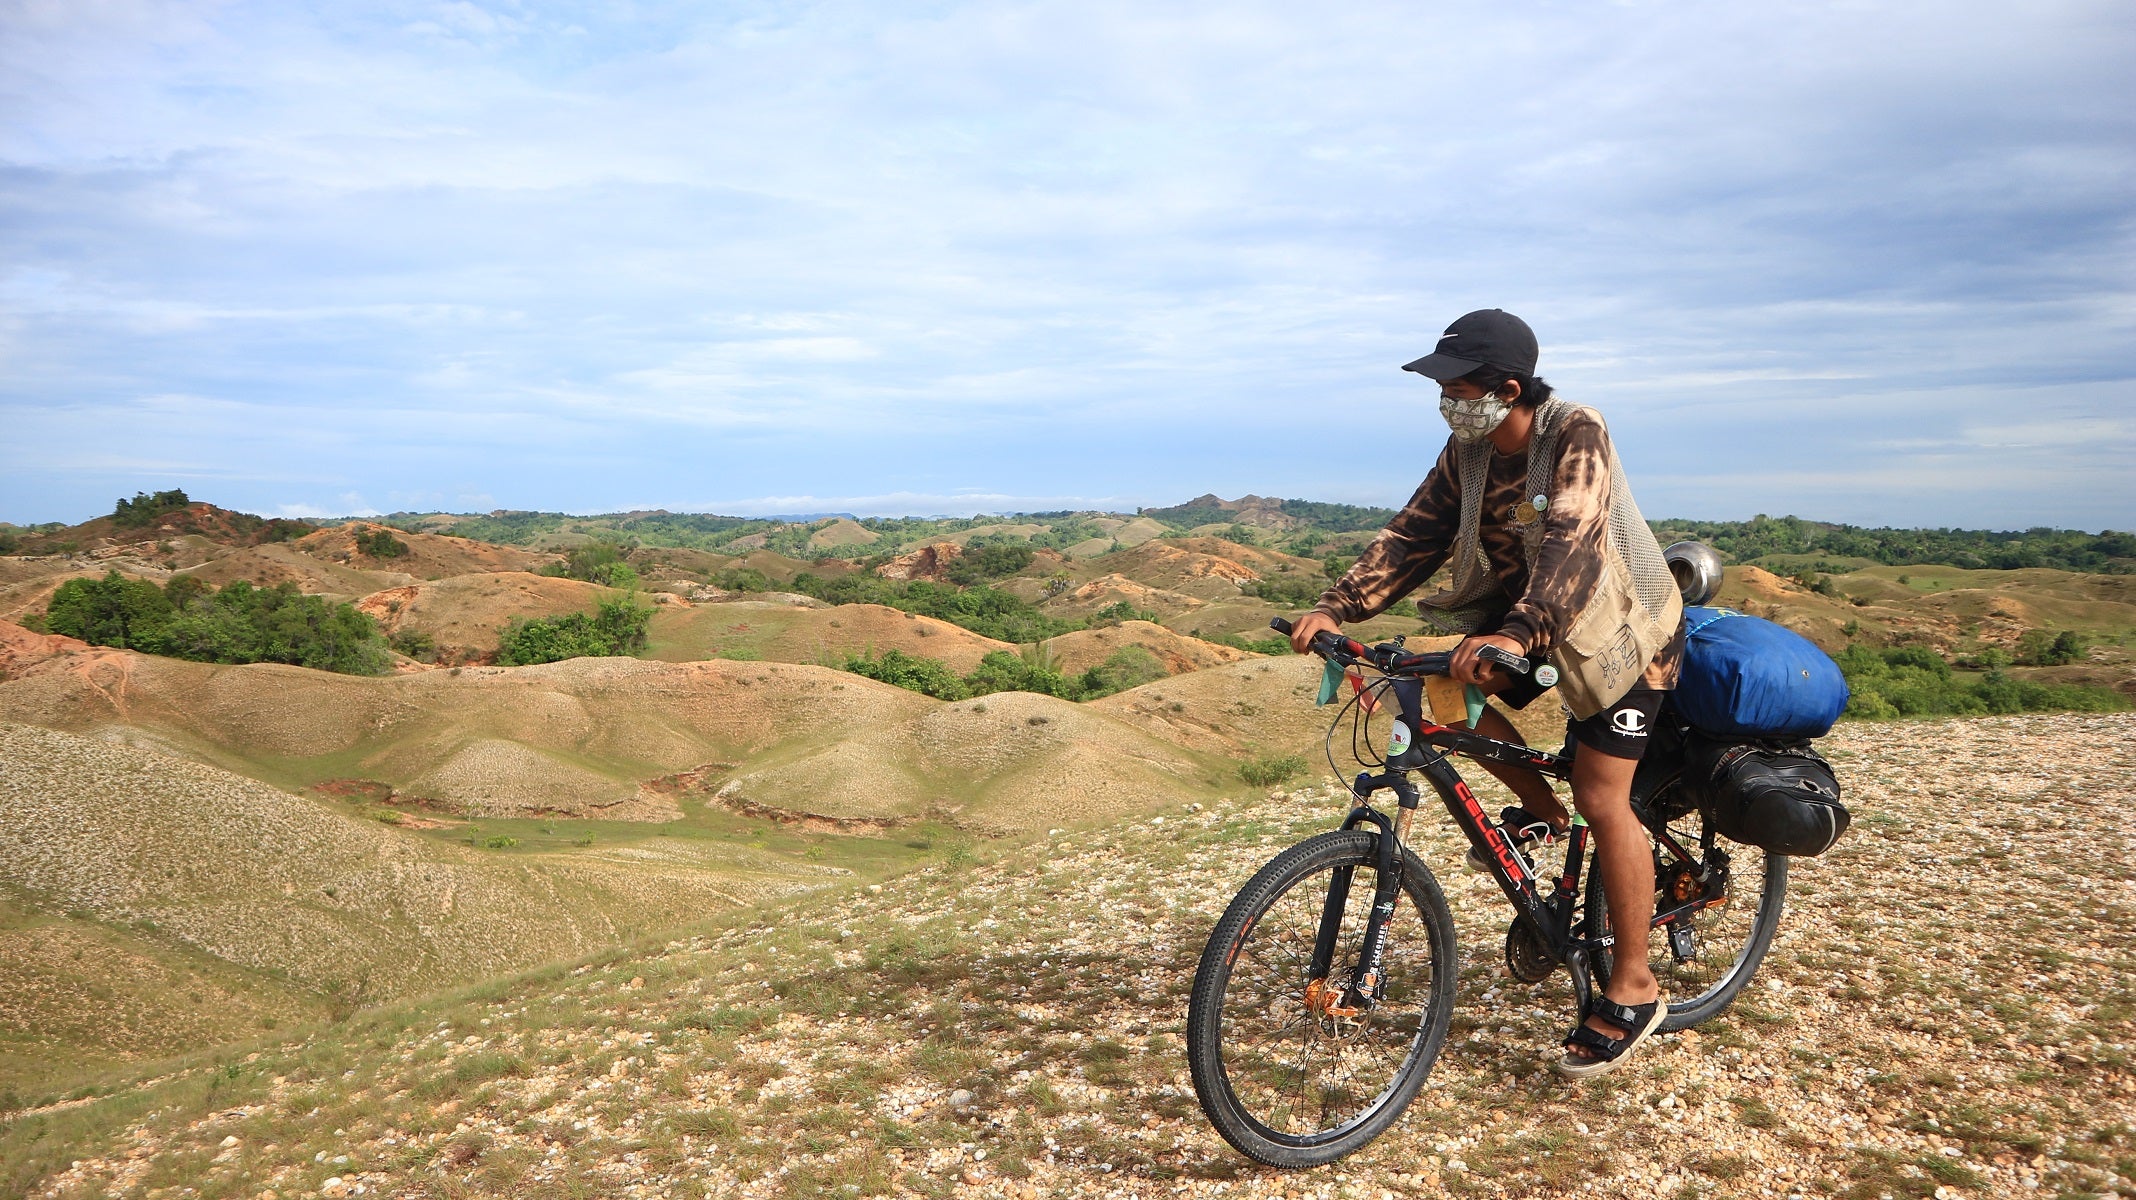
x=1472, y=420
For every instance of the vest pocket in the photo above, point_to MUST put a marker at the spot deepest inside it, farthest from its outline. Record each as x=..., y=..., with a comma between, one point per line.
x=1600, y=658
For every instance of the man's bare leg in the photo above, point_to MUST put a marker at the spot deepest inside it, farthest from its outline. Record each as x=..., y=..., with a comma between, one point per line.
x=1602, y=791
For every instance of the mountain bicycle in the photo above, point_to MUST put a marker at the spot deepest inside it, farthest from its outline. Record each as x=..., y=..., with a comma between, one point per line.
x=1322, y=1000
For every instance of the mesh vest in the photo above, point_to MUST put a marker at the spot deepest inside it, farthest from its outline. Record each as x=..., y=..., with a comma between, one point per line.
x=1636, y=606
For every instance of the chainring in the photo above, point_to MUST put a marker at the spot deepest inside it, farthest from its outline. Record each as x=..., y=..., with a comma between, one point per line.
x=1527, y=958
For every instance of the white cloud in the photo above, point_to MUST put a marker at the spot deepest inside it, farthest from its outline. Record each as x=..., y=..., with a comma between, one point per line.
x=1038, y=246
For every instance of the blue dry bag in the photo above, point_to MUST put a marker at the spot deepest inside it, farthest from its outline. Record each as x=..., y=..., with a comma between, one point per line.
x=1747, y=677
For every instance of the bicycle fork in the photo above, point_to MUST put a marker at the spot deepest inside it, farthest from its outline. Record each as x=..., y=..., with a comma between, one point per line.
x=1363, y=990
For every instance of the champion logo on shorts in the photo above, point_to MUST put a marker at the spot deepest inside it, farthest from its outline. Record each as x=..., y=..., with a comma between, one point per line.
x=1630, y=722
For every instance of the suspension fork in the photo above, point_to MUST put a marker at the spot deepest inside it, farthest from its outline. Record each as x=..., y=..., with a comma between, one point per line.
x=1363, y=989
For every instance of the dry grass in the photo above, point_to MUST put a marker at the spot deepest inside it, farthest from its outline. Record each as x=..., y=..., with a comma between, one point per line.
x=162, y=904
x=1080, y=651
x=1940, y=1012
x=465, y=614
x=584, y=738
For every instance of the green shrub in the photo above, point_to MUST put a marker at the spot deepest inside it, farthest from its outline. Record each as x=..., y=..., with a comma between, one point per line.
x=144, y=508
x=1127, y=667
x=130, y=614
x=1002, y=671
x=913, y=672
x=596, y=562
x=1269, y=645
x=615, y=627
x=1118, y=611
x=243, y=624
x=982, y=562
x=1296, y=591
x=1271, y=770
x=414, y=643
x=1914, y=681
x=742, y=579
x=984, y=610
x=380, y=543
x=238, y=624
x=2040, y=648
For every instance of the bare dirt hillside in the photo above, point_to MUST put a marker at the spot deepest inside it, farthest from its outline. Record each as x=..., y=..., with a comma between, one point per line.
x=1203, y=572
x=1130, y=532
x=466, y=614
x=33, y=592
x=782, y=632
x=286, y=562
x=1262, y=562
x=1265, y=706
x=601, y=737
x=1082, y=650
x=842, y=531
x=1948, y=608
x=1012, y=1029
x=168, y=528
x=930, y=562
x=1114, y=588
x=428, y=556
x=140, y=857
x=1005, y=529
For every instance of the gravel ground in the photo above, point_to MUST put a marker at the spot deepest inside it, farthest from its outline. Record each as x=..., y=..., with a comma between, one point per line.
x=1949, y=1010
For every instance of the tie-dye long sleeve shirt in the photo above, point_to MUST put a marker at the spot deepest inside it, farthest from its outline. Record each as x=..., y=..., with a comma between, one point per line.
x=1568, y=564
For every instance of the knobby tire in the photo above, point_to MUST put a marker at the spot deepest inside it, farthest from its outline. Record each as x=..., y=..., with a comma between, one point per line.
x=1283, y=1085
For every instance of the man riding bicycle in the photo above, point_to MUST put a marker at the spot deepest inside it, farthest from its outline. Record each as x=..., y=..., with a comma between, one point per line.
x=1549, y=552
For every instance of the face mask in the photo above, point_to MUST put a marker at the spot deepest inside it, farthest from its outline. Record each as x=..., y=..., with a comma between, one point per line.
x=1472, y=420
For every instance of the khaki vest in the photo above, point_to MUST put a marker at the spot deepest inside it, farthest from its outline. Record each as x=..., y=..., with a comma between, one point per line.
x=1636, y=606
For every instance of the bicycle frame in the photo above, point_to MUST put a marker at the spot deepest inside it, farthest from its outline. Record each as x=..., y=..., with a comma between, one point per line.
x=1550, y=916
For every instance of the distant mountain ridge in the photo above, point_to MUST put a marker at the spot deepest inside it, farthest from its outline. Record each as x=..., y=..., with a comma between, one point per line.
x=1307, y=528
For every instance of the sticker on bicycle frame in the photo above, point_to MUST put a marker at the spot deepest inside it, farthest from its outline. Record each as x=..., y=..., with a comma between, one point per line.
x=1400, y=741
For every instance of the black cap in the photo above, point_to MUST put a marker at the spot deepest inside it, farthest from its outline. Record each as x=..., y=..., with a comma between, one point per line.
x=1487, y=337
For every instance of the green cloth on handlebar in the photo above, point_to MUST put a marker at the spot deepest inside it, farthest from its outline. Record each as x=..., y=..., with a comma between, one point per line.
x=1330, y=684
x=1474, y=695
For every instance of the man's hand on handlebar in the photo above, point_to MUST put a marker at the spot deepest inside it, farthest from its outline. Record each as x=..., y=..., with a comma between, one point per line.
x=1311, y=623
x=1468, y=668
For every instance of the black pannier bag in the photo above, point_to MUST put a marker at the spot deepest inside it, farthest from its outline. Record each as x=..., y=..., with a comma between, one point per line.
x=1779, y=796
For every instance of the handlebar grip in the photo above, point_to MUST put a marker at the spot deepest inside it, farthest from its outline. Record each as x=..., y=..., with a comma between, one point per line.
x=1280, y=625
x=1504, y=658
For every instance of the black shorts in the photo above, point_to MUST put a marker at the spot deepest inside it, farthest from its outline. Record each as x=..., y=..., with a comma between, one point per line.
x=1620, y=730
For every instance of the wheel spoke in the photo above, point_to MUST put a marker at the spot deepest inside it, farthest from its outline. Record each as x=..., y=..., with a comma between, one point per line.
x=1301, y=1072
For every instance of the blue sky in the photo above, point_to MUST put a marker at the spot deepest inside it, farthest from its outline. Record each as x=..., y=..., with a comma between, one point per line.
x=1861, y=262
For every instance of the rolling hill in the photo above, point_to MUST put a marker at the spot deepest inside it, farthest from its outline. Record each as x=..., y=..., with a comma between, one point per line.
x=1008, y=1024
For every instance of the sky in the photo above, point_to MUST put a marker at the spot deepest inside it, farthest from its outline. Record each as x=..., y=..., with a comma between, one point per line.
x=1861, y=262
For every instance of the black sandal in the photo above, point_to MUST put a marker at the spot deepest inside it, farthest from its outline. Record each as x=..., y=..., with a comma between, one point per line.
x=1638, y=1021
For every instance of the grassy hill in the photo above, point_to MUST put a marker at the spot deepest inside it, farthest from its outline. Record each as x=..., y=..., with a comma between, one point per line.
x=1009, y=1025
x=606, y=738
x=153, y=904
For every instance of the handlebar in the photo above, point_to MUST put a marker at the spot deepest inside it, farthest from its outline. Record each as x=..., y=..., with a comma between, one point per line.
x=1391, y=659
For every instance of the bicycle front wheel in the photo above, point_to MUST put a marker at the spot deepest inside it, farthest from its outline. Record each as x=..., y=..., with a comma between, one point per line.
x=1289, y=1073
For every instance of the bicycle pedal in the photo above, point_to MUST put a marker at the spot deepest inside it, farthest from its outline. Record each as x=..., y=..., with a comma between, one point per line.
x=1683, y=942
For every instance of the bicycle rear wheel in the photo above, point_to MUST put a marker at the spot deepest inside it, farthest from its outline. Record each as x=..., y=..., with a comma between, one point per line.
x=1284, y=1078
x=1706, y=964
